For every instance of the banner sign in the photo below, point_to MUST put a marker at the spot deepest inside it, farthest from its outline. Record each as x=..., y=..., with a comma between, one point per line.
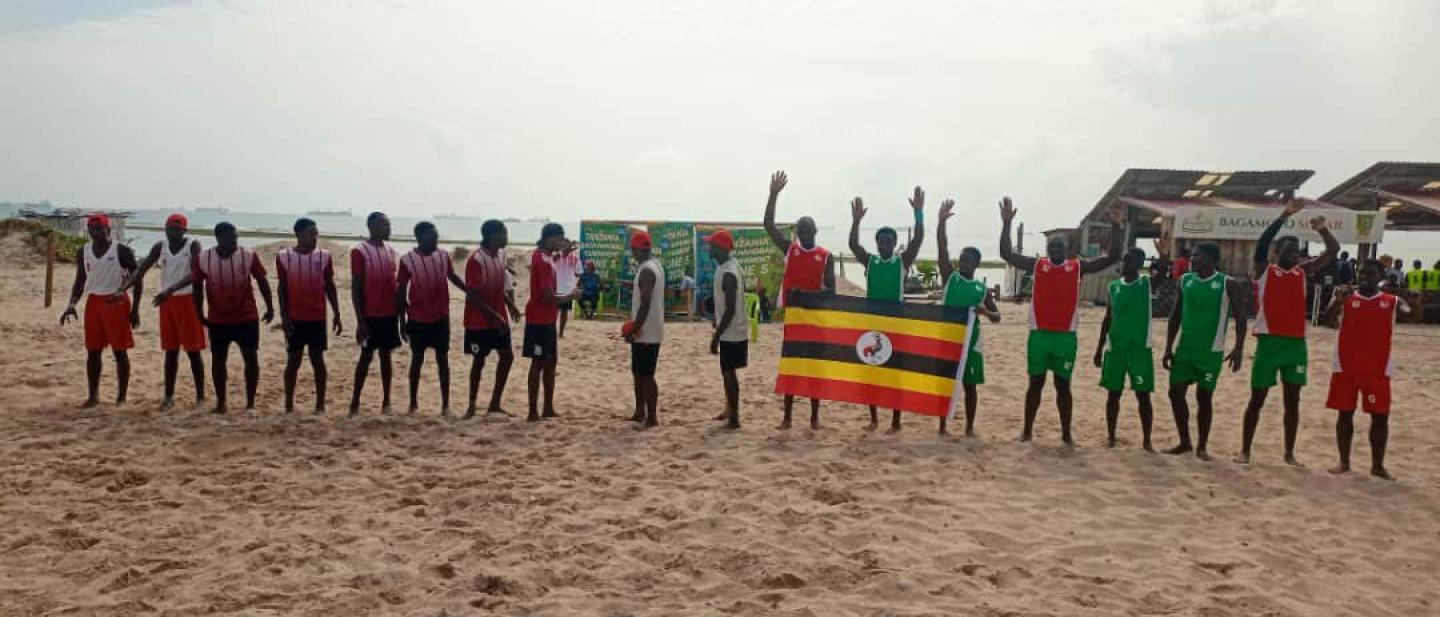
x=676, y=244
x=608, y=245
x=1348, y=226
x=890, y=355
x=759, y=260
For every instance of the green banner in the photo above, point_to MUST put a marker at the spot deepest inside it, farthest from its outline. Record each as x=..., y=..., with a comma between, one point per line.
x=606, y=244
x=760, y=261
x=676, y=244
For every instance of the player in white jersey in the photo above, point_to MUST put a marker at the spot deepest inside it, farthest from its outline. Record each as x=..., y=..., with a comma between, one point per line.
x=101, y=267
x=179, y=323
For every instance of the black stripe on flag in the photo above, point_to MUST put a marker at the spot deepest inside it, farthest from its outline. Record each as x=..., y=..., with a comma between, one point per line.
x=846, y=353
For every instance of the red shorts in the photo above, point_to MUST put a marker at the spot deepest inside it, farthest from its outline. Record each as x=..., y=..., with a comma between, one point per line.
x=179, y=325
x=107, y=323
x=1373, y=390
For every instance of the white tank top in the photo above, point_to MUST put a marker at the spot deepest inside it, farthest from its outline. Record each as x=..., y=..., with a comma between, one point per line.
x=739, y=328
x=654, y=329
x=175, y=267
x=103, y=275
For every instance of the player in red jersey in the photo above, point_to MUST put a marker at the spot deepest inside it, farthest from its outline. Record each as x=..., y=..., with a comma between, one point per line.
x=1054, y=313
x=423, y=296
x=807, y=268
x=1280, y=322
x=222, y=278
x=372, y=292
x=306, y=280
x=1363, y=364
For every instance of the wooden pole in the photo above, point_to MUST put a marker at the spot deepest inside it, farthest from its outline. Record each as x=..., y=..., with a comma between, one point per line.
x=49, y=267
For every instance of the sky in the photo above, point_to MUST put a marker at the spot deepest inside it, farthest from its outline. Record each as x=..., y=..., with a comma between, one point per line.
x=680, y=110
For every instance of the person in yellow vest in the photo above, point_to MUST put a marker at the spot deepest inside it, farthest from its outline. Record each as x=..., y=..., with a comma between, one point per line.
x=1432, y=278
x=1415, y=278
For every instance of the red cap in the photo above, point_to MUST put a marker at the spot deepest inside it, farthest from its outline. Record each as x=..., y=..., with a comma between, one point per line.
x=640, y=240
x=97, y=219
x=722, y=239
x=179, y=219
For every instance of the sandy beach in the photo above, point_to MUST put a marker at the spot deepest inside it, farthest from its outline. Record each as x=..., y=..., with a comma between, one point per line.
x=132, y=512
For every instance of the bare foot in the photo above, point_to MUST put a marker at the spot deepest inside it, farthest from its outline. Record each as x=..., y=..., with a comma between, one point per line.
x=636, y=417
x=724, y=415
x=1203, y=455
x=385, y=409
x=784, y=424
x=969, y=433
x=166, y=404
x=120, y=401
x=89, y=402
x=872, y=425
x=1292, y=461
x=549, y=414
x=639, y=426
x=411, y=411
x=814, y=424
x=1243, y=459
x=354, y=411
x=1067, y=442
x=1339, y=469
x=219, y=410
x=532, y=417
x=1110, y=443
x=445, y=413
x=496, y=411
x=319, y=411
x=1381, y=473
x=732, y=426
x=1149, y=448
x=1024, y=438
x=289, y=409
x=1183, y=448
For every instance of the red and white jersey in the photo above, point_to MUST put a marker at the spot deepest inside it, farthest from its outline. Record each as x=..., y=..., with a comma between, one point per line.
x=1055, y=304
x=429, y=279
x=228, y=292
x=485, y=273
x=804, y=269
x=1281, y=294
x=376, y=264
x=1366, y=327
x=104, y=275
x=304, y=276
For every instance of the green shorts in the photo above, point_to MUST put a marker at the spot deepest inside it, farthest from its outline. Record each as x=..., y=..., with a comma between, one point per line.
x=1285, y=355
x=974, y=368
x=1139, y=364
x=1051, y=351
x=1198, y=367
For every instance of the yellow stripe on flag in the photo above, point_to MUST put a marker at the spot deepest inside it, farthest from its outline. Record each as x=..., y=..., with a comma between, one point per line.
x=865, y=374
x=863, y=321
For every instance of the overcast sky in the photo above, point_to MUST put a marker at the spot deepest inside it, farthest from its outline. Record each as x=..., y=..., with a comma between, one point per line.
x=678, y=109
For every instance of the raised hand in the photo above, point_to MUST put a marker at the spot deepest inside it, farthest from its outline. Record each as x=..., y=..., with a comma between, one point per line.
x=778, y=180
x=1007, y=210
x=857, y=209
x=1317, y=223
x=1117, y=214
x=947, y=209
x=918, y=201
x=1295, y=204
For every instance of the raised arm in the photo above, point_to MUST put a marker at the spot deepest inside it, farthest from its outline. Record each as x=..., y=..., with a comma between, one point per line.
x=777, y=183
x=917, y=236
x=1117, y=244
x=1332, y=247
x=942, y=256
x=857, y=212
x=1007, y=216
x=1262, y=247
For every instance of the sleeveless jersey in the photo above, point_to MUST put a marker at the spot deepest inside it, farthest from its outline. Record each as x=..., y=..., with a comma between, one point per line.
x=738, y=330
x=653, y=332
x=1206, y=311
x=1415, y=279
x=304, y=275
x=103, y=275
x=1282, y=302
x=884, y=278
x=804, y=269
x=176, y=267
x=1055, y=305
x=1432, y=280
x=965, y=293
x=1129, y=314
x=378, y=265
x=1366, y=326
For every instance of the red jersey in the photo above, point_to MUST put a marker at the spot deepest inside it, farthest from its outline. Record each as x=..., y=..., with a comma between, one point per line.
x=539, y=310
x=804, y=269
x=485, y=273
x=1281, y=298
x=304, y=276
x=375, y=265
x=1366, y=326
x=1179, y=268
x=429, y=278
x=1056, y=301
x=227, y=285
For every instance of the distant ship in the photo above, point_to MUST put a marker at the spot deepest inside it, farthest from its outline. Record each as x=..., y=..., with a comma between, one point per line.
x=212, y=210
x=343, y=213
x=457, y=217
x=510, y=219
x=537, y=219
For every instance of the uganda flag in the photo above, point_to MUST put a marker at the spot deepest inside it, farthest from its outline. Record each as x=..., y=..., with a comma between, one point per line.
x=887, y=354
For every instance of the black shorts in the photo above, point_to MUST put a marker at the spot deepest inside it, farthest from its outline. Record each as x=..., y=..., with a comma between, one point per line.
x=734, y=354
x=539, y=341
x=434, y=335
x=565, y=306
x=243, y=335
x=312, y=334
x=643, y=358
x=480, y=343
x=384, y=333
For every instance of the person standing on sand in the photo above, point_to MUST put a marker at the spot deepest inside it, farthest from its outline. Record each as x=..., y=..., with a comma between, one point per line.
x=101, y=267
x=808, y=267
x=179, y=324
x=222, y=276
x=1280, y=323
x=1124, y=347
x=377, y=325
x=646, y=330
x=422, y=299
x=1363, y=364
x=306, y=275
x=1054, y=314
x=885, y=271
x=486, y=303
x=731, y=339
x=1204, y=299
x=962, y=291
x=567, y=275
x=542, y=310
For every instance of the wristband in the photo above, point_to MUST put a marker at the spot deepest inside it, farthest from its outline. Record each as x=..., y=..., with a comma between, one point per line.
x=919, y=216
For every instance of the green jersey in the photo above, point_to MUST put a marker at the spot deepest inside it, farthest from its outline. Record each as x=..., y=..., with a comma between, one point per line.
x=884, y=278
x=1206, y=306
x=964, y=293
x=1129, y=314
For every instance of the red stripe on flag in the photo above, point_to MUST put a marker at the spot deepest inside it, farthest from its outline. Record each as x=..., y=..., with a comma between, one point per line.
x=864, y=394
x=903, y=343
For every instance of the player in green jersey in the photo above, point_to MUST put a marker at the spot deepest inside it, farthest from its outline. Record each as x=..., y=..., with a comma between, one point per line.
x=1124, y=348
x=885, y=271
x=1203, y=301
x=963, y=291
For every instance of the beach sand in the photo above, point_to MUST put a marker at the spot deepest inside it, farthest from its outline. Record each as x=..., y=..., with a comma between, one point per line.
x=129, y=511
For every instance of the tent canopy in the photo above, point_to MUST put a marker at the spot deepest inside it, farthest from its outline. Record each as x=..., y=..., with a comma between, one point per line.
x=1409, y=193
